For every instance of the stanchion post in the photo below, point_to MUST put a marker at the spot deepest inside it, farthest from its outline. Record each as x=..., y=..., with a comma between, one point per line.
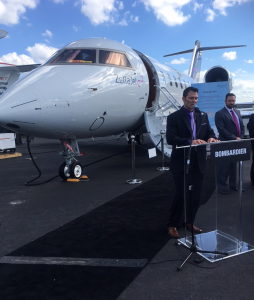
x=133, y=181
x=162, y=168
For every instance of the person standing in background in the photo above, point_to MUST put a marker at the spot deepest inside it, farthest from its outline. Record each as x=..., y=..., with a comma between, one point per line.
x=230, y=126
x=250, y=126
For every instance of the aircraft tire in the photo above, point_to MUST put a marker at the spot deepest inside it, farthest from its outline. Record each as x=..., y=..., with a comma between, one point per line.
x=64, y=172
x=139, y=138
x=76, y=170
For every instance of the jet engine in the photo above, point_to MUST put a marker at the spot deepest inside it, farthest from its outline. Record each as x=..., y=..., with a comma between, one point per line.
x=217, y=74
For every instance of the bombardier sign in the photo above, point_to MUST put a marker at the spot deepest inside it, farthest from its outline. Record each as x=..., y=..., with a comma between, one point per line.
x=230, y=152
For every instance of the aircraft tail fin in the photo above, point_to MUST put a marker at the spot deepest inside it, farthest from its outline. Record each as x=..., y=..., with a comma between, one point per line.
x=195, y=66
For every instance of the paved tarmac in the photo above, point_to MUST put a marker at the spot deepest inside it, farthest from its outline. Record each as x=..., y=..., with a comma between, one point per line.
x=28, y=213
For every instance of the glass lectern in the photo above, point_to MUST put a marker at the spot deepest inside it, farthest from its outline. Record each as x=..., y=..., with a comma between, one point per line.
x=225, y=218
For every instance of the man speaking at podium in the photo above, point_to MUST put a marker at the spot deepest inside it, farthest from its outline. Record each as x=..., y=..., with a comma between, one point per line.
x=184, y=127
x=230, y=127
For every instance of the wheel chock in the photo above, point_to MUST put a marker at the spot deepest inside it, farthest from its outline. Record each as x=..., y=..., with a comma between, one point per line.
x=72, y=180
x=16, y=154
x=82, y=178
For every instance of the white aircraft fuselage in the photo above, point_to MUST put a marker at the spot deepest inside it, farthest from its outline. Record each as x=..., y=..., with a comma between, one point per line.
x=70, y=98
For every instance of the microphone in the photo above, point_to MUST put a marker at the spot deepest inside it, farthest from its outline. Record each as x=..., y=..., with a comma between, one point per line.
x=196, y=109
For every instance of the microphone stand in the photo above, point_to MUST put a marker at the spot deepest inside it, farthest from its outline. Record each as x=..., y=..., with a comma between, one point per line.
x=193, y=248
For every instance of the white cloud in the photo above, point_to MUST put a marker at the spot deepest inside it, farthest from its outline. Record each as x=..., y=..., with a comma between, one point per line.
x=123, y=23
x=197, y=6
x=59, y=1
x=48, y=33
x=41, y=52
x=221, y=5
x=98, y=11
x=134, y=4
x=210, y=15
x=75, y=28
x=29, y=24
x=134, y=19
x=38, y=54
x=15, y=59
x=12, y=10
x=243, y=88
x=229, y=55
x=179, y=61
x=120, y=4
x=202, y=76
x=122, y=41
x=240, y=71
x=250, y=61
x=168, y=11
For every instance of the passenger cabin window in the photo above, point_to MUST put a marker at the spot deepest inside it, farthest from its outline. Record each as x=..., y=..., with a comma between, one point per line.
x=175, y=82
x=113, y=58
x=180, y=83
x=76, y=56
x=185, y=83
x=170, y=79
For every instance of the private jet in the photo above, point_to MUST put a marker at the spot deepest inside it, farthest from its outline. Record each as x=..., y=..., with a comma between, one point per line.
x=97, y=87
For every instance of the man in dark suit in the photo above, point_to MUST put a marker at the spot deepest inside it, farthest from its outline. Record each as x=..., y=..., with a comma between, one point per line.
x=250, y=126
x=184, y=127
x=230, y=127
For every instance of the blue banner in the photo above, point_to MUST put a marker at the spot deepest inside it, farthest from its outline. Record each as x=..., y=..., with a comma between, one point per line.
x=211, y=97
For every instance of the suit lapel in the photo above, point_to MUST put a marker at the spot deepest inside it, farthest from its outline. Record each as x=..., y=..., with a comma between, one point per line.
x=229, y=115
x=185, y=119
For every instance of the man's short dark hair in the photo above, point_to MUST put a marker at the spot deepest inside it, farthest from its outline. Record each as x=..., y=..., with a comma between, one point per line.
x=188, y=89
x=230, y=94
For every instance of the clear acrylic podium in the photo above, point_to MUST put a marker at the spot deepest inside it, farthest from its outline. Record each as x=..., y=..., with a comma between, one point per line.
x=226, y=219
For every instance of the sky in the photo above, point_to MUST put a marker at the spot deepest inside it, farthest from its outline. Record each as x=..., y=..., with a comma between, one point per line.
x=37, y=28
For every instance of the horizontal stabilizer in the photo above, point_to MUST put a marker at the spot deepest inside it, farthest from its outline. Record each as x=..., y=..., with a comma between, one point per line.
x=220, y=47
x=204, y=49
x=195, y=66
x=182, y=52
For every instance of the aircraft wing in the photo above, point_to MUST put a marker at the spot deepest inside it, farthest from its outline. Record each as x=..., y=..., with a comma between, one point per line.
x=18, y=68
x=3, y=34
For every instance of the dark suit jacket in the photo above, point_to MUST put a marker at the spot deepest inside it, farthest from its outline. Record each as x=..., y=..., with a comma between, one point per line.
x=179, y=133
x=226, y=125
x=250, y=126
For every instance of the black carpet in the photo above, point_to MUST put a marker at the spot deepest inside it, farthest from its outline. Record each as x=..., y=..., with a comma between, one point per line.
x=131, y=226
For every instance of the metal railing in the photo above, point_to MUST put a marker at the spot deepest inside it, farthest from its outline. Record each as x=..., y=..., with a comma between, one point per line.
x=170, y=101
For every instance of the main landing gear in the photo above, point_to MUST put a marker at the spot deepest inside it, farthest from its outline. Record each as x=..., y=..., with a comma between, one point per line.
x=71, y=168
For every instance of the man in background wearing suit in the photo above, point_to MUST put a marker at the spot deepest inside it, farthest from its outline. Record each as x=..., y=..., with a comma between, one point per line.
x=230, y=127
x=184, y=127
x=250, y=126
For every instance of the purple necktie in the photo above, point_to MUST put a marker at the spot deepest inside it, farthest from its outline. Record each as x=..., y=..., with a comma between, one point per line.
x=236, y=122
x=193, y=125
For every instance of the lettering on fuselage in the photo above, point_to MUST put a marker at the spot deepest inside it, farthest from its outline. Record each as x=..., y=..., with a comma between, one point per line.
x=126, y=80
x=129, y=80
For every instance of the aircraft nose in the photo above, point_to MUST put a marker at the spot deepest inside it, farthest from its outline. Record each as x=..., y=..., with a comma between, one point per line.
x=19, y=109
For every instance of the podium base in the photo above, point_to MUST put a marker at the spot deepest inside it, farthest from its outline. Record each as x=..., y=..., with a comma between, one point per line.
x=134, y=181
x=217, y=241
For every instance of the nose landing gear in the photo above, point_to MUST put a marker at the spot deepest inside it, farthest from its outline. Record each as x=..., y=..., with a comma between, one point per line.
x=71, y=168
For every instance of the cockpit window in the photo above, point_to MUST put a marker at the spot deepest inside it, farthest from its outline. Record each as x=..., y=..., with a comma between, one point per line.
x=76, y=56
x=113, y=58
